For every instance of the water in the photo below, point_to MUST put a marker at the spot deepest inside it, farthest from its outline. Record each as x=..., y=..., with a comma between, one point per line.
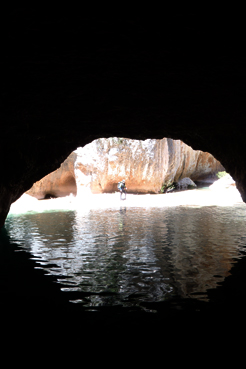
x=133, y=258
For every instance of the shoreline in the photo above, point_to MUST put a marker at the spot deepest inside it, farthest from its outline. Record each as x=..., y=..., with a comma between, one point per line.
x=196, y=197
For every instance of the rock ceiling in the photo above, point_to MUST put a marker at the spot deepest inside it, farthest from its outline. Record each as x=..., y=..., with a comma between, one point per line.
x=68, y=79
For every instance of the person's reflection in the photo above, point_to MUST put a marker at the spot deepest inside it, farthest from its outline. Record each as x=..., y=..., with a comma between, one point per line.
x=122, y=218
x=122, y=210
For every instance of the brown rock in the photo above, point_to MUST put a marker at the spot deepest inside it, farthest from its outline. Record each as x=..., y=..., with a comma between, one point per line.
x=145, y=165
x=59, y=183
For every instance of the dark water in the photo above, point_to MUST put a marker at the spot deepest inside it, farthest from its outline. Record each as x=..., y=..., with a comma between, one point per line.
x=137, y=259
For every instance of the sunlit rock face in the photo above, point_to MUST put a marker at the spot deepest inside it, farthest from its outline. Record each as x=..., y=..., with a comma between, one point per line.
x=145, y=165
x=59, y=183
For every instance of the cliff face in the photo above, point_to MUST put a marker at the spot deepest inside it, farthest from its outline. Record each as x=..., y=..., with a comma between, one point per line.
x=145, y=165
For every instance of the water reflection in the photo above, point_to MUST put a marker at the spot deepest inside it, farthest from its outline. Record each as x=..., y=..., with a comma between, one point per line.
x=133, y=255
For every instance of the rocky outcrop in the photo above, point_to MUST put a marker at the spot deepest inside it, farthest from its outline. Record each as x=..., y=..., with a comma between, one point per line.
x=145, y=165
x=185, y=183
x=59, y=183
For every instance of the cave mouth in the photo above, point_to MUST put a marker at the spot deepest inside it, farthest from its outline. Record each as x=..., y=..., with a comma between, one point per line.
x=94, y=170
x=148, y=166
x=139, y=231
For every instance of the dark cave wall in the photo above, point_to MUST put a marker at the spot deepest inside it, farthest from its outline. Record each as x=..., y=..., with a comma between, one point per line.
x=68, y=79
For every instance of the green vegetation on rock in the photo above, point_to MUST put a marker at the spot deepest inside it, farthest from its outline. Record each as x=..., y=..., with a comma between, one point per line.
x=167, y=186
x=221, y=174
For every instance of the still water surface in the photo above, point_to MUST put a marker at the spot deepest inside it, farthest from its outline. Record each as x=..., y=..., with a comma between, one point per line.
x=132, y=256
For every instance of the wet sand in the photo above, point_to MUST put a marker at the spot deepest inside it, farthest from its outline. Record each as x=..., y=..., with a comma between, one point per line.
x=197, y=197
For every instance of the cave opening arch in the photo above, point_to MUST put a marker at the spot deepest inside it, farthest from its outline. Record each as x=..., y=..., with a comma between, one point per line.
x=148, y=166
x=70, y=79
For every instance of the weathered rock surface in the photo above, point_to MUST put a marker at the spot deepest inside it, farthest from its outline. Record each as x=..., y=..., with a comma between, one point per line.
x=59, y=183
x=145, y=165
x=185, y=183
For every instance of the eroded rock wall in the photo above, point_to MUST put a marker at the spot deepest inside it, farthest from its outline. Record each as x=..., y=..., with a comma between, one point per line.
x=59, y=183
x=145, y=165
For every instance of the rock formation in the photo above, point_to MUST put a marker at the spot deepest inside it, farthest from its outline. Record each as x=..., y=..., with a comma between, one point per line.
x=59, y=183
x=145, y=165
x=185, y=183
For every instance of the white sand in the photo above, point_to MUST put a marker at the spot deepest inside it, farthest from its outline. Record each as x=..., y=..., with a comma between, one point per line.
x=206, y=197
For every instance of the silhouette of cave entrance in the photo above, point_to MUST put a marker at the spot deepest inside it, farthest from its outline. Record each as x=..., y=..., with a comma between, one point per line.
x=101, y=164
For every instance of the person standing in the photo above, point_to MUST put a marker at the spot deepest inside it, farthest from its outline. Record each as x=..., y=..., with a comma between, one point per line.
x=122, y=188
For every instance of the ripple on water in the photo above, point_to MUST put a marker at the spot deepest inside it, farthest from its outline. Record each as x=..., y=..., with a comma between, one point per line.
x=136, y=255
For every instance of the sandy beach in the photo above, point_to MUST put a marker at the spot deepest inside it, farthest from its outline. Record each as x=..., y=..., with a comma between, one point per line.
x=196, y=197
